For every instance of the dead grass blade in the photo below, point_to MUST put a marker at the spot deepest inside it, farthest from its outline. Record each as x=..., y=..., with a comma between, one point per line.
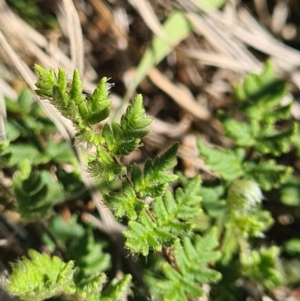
x=180, y=95
x=215, y=59
x=222, y=40
x=254, y=35
x=75, y=34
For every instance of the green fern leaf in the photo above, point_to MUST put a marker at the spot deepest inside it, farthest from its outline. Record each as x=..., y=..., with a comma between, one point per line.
x=228, y=163
x=264, y=138
x=46, y=81
x=276, y=143
x=278, y=113
x=98, y=103
x=252, y=224
x=260, y=96
x=31, y=193
x=116, y=288
x=125, y=203
x=88, y=289
x=41, y=277
x=155, y=178
x=172, y=219
x=103, y=166
x=267, y=173
x=192, y=260
x=134, y=118
x=124, y=138
x=174, y=214
x=263, y=266
x=242, y=133
x=71, y=101
x=76, y=88
x=260, y=92
x=141, y=235
x=88, y=255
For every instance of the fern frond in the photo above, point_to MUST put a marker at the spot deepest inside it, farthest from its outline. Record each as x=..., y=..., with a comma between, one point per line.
x=275, y=142
x=153, y=181
x=103, y=166
x=228, y=163
x=88, y=289
x=116, y=288
x=260, y=96
x=192, y=259
x=178, y=211
x=41, y=277
x=262, y=266
x=171, y=218
x=260, y=92
x=88, y=255
x=267, y=173
x=125, y=203
x=242, y=133
x=143, y=235
x=114, y=139
x=123, y=138
x=98, y=104
x=253, y=224
x=46, y=81
x=31, y=193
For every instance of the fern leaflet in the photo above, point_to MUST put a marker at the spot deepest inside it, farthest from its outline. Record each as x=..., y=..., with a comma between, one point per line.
x=191, y=269
x=172, y=219
x=123, y=138
x=228, y=163
x=153, y=181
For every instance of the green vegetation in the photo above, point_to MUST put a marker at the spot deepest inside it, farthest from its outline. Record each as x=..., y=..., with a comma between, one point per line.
x=161, y=210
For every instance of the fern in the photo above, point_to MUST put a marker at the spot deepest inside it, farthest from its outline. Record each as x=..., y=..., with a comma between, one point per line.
x=42, y=277
x=161, y=218
x=228, y=163
x=262, y=266
x=268, y=173
x=31, y=192
x=126, y=203
x=191, y=260
x=119, y=139
x=260, y=133
x=260, y=96
x=232, y=164
x=170, y=217
x=153, y=181
x=125, y=138
x=81, y=244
